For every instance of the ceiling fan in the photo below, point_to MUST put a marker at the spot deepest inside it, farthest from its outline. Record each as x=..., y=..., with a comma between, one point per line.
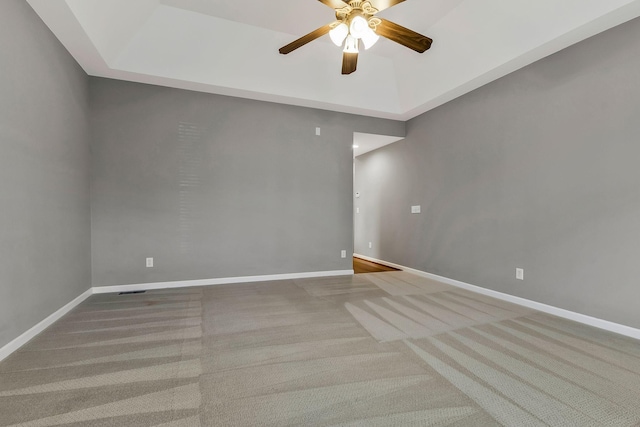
x=356, y=23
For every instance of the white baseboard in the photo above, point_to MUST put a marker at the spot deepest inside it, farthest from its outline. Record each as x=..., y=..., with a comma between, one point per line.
x=31, y=333
x=560, y=312
x=215, y=282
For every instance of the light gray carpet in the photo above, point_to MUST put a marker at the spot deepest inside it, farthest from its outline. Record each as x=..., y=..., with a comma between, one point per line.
x=385, y=349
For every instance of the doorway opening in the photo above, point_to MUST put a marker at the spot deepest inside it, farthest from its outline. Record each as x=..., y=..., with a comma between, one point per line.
x=365, y=237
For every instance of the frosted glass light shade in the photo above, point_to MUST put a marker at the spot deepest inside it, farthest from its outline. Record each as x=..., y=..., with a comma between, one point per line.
x=359, y=27
x=339, y=33
x=370, y=38
x=351, y=46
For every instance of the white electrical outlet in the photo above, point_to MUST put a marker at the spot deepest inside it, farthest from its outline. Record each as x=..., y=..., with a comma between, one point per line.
x=357, y=210
x=317, y=131
x=416, y=209
x=343, y=254
x=149, y=262
x=520, y=273
x=370, y=245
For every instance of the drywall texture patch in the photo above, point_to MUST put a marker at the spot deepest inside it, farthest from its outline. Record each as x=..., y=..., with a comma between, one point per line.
x=44, y=173
x=212, y=186
x=537, y=170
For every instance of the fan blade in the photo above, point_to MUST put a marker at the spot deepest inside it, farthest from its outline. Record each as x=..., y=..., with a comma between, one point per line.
x=335, y=4
x=305, y=39
x=404, y=36
x=349, y=62
x=384, y=4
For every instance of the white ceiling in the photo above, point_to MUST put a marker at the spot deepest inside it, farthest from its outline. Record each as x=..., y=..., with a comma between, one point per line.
x=365, y=142
x=231, y=47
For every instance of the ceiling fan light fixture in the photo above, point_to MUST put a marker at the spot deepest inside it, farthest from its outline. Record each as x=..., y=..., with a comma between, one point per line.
x=356, y=20
x=370, y=38
x=339, y=33
x=351, y=46
x=358, y=27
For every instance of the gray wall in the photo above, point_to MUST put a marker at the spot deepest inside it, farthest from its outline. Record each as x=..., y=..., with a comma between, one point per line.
x=537, y=170
x=44, y=173
x=213, y=186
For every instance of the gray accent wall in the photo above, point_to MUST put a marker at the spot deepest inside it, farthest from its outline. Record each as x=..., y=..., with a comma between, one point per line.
x=213, y=186
x=44, y=173
x=538, y=170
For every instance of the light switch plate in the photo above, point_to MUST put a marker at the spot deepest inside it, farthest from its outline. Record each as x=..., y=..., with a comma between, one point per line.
x=416, y=209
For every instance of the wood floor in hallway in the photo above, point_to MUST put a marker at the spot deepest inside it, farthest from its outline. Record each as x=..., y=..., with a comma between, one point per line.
x=361, y=266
